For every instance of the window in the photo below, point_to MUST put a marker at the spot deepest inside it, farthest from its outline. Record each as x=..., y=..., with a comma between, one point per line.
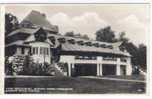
x=88, y=43
x=85, y=57
x=41, y=50
x=44, y=51
x=96, y=44
x=110, y=46
x=22, y=50
x=103, y=45
x=80, y=42
x=61, y=40
x=34, y=50
x=109, y=58
x=71, y=41
x=123, y=59
x=47, y=51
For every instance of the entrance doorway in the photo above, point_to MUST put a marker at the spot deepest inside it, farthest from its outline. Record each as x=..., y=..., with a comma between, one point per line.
x=108, y=69
x=85, y=69
x=123, y=69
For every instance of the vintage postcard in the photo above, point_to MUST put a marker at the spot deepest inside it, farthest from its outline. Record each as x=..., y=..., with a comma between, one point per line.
x=76, y=48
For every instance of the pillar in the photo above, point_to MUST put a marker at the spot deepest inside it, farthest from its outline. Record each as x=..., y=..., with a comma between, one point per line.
x=72, y=69
x=69, y=69
x=18, y=50
x=99, y=65
x=128, y=66
x=100, y=69
x=118, y=69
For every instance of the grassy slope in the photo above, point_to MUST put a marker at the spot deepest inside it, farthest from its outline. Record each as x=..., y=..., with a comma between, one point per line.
x=79, y=85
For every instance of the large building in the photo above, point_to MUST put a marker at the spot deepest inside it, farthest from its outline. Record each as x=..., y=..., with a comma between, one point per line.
x=41, y=40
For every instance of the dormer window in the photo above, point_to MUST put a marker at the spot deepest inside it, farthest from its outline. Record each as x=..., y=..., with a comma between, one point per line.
x=80, y=42
x=88, y=43
x=52, y=39
x=72, y=41
x=96, y=44
x=61, y=40
x=40, y=35
x=103, y=45
x=110, y=46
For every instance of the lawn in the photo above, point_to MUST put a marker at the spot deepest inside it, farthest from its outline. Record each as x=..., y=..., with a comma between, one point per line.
x=73, y=85
x=133, y=77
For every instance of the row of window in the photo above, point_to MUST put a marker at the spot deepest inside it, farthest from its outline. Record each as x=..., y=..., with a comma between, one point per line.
x=40, y=50
x=123, y=59
x=104, y=58
x=85, y=57
x=72, y=41
x=114, y=59
x=110, y=58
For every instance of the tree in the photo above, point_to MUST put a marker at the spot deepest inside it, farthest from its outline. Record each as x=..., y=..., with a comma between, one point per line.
x=85, y=37
x=141, y=56
x=124, y=41
x=122, y=37
x=71, y=34
x=11, y=23
x=105, y=35
x=138, y=53
x=78, y=35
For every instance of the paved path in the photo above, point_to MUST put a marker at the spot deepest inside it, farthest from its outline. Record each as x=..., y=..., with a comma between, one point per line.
x=117, y=79
x=20, y=76
x=93, y=77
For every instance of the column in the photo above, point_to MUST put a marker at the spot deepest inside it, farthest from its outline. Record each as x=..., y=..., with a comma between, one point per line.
x=69, y=69
x=72, y=69
x=118, y=69
x=128, y=66
x=100, y=69
x=18, y=50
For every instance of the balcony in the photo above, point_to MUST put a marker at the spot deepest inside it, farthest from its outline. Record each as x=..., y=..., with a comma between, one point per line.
x=109, y=59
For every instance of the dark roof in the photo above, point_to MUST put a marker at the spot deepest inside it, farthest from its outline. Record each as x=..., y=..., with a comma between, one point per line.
x=114, y=45
x=23, y=30
x=83, y=48
x=66, y=46
x=19, y=42
x=39, y=19
x=109, y=47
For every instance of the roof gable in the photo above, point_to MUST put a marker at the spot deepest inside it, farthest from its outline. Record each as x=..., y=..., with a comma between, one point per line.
x=36, y=18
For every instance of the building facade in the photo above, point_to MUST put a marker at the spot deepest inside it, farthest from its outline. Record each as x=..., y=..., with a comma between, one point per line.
x=83, y=57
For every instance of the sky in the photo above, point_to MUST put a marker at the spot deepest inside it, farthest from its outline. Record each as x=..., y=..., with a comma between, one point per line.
x=133, y=19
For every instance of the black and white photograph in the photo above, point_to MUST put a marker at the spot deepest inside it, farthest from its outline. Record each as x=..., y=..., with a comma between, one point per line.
x=76, y=48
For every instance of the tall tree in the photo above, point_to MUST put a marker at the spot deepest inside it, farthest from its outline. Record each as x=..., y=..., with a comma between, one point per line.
x=138, y=53
x=141, y=56
x=78, y=35
x=85, y=37
x=105, y=35
x=71, y=34
x=11, y=23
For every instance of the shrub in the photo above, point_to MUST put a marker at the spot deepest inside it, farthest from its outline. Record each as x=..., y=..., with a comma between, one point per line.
x=24, y=65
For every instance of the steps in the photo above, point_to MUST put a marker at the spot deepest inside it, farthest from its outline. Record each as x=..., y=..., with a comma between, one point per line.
x=59, y=71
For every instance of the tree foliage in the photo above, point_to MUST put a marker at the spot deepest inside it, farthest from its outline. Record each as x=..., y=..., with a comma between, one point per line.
x=77, y=35
x=11, y=23
x=105, y=35
x=70, y=34
x=138, y=53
